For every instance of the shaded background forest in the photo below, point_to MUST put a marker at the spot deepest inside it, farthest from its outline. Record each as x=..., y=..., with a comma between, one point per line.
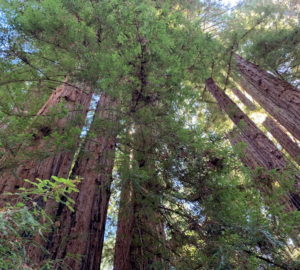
x=150, y=134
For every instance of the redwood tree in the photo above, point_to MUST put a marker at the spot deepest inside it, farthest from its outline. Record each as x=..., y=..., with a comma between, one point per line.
x=185, y=201
x=79, y=233
x=156, y=92
x=245, y=100
x=269, y=156
x=39, y=159
x=276, y=96
x=283, y=138
x=122, y=256
x=78, y=236
x=248, y=153
x=140, y=236
x=274, y=128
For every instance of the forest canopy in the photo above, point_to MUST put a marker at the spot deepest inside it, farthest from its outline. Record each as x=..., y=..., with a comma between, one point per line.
x=149, y=135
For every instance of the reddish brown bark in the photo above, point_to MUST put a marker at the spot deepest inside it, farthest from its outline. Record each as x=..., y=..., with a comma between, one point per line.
x=278, y=133
x=276, y=96
x=248, y=128
x=39, y=160
x=81, y=233
x=266, y=154
x=246, y=101
x=124, y=229
x=285, y=141
x=251, y=159
x=248, y=154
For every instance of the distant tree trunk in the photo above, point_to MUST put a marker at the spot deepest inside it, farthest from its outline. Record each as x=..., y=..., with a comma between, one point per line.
x=247, y=102
x=276, y=96
x=266, y=153
x=285, y=141
x=39, y=160
x=81, y=233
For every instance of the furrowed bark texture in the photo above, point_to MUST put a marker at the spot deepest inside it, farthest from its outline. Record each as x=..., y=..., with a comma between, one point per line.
x=285, y=141
x=278, y=133
x=247, y=102
x=266, y=152
x=248, y=156
x=81, y=233
x=35, y=164
x=276, y=96
x=251, y=159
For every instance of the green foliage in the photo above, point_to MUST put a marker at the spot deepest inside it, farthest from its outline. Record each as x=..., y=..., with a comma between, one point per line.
x=153, y=57
x=267, y=32
x=16, y=222
x=58, y=189
x=22, y=222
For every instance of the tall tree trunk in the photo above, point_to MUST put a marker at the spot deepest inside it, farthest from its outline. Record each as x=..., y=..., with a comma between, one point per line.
x=146, y=241
x=278, y=133
x=252, y=159
x=81, y=233
x=266, y=152
x=39, y=160
x=143, y=245
x=125, y=221
x=246, y=101
x=285, y=141
x=276, y=96
x=248, y=156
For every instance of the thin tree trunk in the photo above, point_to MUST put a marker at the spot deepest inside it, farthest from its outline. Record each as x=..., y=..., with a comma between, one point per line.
x=276, y=96
x=266, y=152
x=285, y=141
x=81, y=233
x=246, y=101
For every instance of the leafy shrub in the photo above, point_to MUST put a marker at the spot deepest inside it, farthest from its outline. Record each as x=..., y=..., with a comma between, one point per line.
x=19, y=223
